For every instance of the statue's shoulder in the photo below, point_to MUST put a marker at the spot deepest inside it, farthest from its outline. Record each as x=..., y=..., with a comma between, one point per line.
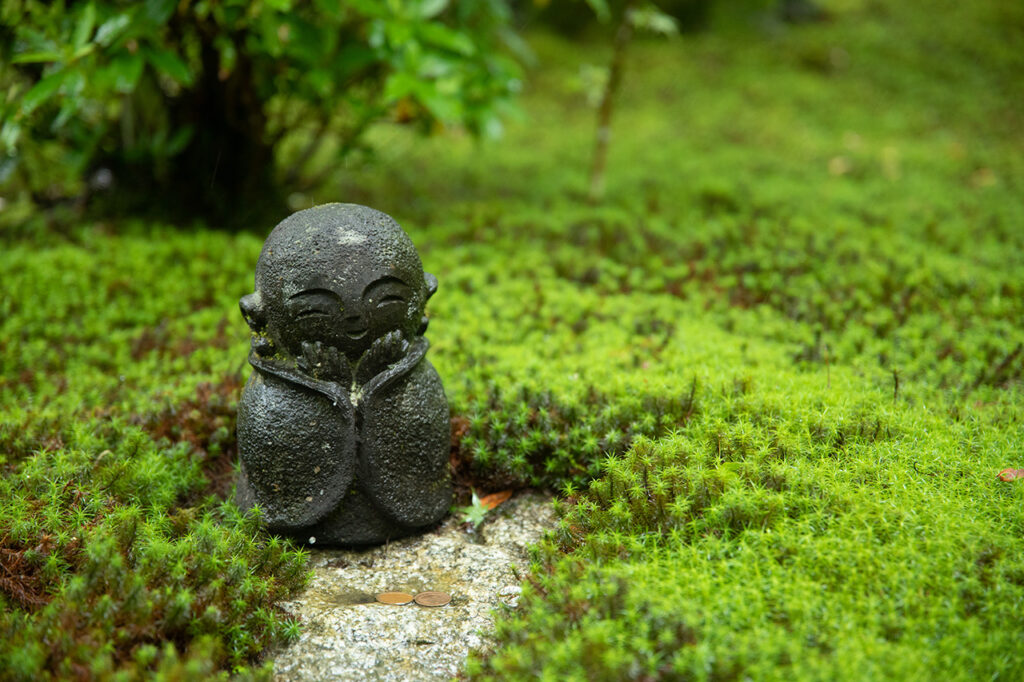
x=297, y=449
x=404, y=443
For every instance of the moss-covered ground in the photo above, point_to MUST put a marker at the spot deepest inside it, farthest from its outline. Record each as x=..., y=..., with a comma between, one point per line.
x=773, y=377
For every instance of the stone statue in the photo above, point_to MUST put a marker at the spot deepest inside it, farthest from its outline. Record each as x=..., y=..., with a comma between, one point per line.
x=343, y=427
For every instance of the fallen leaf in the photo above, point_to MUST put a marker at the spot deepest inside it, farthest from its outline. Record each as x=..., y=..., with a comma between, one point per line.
x=1007, y=474
x=494, y=499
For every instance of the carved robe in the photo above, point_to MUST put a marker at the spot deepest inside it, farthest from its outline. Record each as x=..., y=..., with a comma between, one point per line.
x=340, y=461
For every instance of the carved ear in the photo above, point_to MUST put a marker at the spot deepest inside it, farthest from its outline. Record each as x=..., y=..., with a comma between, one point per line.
x=431, y=284
x=252, y=311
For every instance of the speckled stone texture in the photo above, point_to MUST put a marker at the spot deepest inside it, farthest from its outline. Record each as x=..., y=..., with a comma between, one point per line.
x=347, y=635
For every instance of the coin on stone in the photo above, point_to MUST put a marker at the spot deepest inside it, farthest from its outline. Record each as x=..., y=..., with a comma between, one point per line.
x=433, y=598
x=394, y=597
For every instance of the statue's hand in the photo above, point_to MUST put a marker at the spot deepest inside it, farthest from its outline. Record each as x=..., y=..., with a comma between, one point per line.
x=385, y=351
x=325, y=363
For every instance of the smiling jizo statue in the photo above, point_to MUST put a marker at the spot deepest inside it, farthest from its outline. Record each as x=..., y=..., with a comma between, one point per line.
x=343, y=427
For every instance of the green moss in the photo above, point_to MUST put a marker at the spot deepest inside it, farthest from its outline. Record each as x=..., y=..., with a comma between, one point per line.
x=111, y=566
x=807, y=563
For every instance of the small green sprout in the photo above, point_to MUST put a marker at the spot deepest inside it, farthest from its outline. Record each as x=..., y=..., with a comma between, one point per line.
x=475, y=513
x=292, y=630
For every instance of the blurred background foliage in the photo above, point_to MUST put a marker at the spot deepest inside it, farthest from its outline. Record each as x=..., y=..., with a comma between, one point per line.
x=183, y=104
x=221, y=109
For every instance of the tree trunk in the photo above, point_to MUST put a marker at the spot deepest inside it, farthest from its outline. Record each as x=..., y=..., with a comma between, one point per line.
x=224, y=175
x=228, y=152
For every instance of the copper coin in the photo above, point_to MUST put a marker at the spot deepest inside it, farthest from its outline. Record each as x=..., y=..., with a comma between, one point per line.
x=394, y=597
x=433, y=598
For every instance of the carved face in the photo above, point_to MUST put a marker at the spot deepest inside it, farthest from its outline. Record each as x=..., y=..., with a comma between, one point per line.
x=349, y=318
x=340, y=274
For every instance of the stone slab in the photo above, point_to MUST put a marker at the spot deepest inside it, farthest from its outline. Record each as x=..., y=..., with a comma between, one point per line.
x=347, y=635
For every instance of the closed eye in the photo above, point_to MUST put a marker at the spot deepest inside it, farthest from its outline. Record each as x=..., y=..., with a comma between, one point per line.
x=390, y=298
x=305, y=314
x=387, y=290
x=312, y=303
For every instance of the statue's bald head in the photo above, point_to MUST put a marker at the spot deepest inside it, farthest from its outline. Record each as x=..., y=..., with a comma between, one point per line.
x=341, y=274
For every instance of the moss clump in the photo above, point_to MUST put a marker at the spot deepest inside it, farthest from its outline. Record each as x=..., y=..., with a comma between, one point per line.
x=115, y=577
x=719, y=552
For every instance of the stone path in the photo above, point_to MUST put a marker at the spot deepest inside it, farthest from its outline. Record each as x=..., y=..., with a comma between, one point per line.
x=347, y=635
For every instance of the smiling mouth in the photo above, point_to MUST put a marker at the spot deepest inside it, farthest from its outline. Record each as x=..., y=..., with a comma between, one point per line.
x=357, y=334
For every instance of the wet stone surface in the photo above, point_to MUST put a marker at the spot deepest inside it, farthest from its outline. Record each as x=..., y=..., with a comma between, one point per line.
x=348, y=635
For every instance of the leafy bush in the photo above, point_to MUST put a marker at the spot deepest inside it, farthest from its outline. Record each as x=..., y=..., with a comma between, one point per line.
x=187, y=103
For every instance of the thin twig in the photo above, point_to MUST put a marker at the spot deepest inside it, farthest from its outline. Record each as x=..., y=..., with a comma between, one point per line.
x=690, y=399
x=604, y=114
x=828, y=367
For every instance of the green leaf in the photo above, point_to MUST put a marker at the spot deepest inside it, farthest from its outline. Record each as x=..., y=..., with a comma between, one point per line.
x=179, y=140
x=126, y=71
x=66, y=113
x=7, y=167
x=332, y=9
x=600, y=9
x=654, y=20
x=168, y=63
x=399, y=33
x=228, y=54
x=35, y=40
x=111, y=29
x=35, y=57
x=10, y=133
x=369, y=8
x=42, y=91
x=441, y=36
x=444, y=108
x=74, y=84
x=159, y=11
x=428, y=9
x=433, y=66
x=320, y=81
x=447, y=109
x=399, y=85
x=353, y=57
x=307, y=43
x=84, y=50
x=86, y=23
